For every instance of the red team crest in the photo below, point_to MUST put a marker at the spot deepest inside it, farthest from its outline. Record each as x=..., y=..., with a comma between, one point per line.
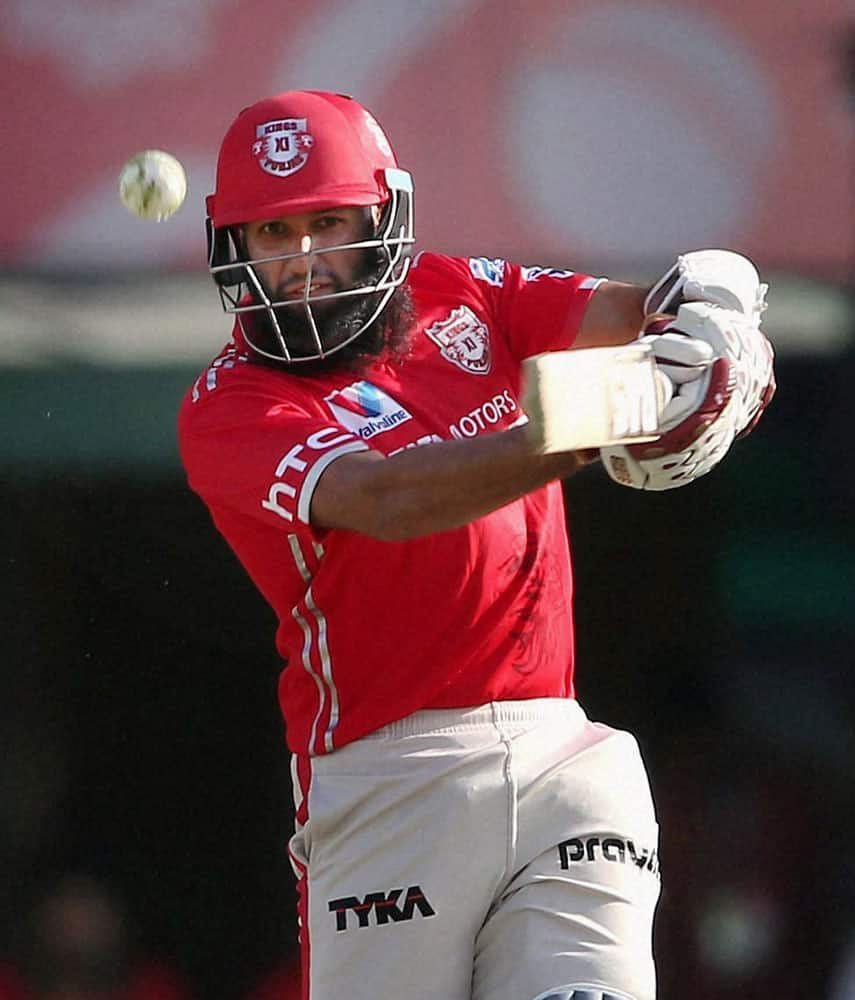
x=463, y=340
x=282, y=147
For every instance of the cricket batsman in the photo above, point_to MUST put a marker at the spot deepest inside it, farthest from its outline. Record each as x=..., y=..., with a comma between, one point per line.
x=375, y=446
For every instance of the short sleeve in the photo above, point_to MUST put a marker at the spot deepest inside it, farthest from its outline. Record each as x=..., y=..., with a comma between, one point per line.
x=538, y=308
x=257, y=456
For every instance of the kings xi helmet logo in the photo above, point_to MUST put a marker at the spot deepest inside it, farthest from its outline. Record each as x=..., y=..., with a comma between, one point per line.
x=282, y=147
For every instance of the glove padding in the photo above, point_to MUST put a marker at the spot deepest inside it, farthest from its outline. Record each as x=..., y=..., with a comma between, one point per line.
x=738, y=338
x=721, y=277
x=698, y=423
x=718, y=300
x=730, y=281
x=682, y=363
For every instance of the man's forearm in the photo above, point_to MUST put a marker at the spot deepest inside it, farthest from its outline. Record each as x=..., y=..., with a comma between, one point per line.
x=435, y=487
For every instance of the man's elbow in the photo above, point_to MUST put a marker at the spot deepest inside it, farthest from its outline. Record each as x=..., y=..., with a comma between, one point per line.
x=614, y=316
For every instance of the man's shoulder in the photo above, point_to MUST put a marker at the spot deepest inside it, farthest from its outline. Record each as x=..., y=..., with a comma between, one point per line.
x=233, y=384
x=482, y=275
x=430, y=268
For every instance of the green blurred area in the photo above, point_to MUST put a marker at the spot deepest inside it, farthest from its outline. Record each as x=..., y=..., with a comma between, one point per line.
x=91, y=420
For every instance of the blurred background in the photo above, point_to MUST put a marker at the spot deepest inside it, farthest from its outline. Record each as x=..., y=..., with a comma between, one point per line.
x=144, y=792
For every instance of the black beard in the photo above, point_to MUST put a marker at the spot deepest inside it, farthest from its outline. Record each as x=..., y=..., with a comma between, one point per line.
x=337, y=322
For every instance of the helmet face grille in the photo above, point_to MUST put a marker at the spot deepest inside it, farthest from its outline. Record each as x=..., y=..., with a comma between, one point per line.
x=293, y=330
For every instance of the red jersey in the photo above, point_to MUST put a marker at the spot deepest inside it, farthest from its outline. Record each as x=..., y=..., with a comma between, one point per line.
x=372, y=631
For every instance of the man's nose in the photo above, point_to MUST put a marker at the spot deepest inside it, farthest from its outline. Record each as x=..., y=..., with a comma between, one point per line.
x=298, y=266
x=296, y=244
x=295, y=270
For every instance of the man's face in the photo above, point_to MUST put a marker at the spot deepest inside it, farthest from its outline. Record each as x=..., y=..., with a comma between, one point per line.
x=331, y=272
x=322, y=334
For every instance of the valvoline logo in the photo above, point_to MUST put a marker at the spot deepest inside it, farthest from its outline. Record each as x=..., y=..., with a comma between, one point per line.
x=366, y=410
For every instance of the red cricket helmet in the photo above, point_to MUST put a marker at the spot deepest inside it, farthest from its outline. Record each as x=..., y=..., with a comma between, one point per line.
x=305, y=151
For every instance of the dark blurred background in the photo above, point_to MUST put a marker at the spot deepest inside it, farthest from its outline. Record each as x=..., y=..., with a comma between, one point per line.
x=145, y=797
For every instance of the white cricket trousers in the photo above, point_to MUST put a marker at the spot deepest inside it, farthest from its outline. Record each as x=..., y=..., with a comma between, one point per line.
x=489, y=853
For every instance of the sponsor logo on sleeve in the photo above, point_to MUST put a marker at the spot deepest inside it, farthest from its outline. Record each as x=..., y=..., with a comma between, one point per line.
x=282, y=496
x=533, y=273
x=491, y=270
x=366, y=410
x=463, y=340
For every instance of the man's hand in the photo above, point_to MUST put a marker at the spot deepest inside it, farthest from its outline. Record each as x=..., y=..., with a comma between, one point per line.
x=714, y=297
x=698, y=425
x=684, y=362
x=728, y=299
x=732, y=335
x=719, y=277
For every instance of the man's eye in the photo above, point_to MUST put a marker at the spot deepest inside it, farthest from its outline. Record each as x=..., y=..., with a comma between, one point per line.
x=328, y=221
x=272, y=229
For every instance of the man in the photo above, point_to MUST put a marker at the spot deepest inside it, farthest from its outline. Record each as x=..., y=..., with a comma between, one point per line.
x=462, y=829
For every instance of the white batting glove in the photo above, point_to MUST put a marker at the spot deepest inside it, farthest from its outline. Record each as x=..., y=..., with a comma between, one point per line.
x=738, y=338
x=685, y=364
x=698, y=424
x=726, y=301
